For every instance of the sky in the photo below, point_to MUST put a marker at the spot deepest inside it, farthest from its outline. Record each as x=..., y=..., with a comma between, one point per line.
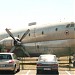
x=17, y=14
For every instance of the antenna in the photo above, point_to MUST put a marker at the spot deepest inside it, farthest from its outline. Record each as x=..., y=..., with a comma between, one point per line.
x=32, y=23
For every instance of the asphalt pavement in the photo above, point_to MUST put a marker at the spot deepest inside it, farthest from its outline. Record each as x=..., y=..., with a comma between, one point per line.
x=33, y=72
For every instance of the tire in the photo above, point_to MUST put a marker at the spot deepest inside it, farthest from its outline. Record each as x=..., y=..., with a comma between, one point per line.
x=38, y=72
x=14, y=71
x=18, y=69
x=74, y=64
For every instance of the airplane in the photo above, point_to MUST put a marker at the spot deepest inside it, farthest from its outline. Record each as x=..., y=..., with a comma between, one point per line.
x=58, y=39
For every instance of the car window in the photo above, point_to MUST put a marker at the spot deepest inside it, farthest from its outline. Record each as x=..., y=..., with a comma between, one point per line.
x=5, y=56
x=47, y=58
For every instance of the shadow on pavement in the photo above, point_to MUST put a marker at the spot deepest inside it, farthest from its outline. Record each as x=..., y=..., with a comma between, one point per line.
x=6, y=73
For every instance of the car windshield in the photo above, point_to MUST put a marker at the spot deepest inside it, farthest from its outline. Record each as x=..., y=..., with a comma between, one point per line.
x=48, y=58
x=5, y=56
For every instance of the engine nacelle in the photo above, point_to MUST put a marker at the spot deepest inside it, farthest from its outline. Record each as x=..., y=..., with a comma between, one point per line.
x=7, y=42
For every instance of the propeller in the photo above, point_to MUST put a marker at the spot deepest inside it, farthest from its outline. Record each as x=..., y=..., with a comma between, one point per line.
x=18, y=42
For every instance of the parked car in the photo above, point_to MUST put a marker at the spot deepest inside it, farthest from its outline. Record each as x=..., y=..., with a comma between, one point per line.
x=47, y=64
x=9, y=62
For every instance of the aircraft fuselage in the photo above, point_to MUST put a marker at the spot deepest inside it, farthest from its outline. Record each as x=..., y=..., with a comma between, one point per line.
x=58, y=39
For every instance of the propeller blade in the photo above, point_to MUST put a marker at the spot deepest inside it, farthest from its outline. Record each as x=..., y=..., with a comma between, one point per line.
x=23, y=48
x=26, y=52
x=7, y=30
x=13, y=48
x=24, y=35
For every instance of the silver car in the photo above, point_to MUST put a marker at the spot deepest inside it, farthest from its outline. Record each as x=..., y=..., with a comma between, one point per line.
x=9, y=62
x=47, y=64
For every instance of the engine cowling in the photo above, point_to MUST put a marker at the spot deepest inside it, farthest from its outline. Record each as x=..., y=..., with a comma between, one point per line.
x=7, y=42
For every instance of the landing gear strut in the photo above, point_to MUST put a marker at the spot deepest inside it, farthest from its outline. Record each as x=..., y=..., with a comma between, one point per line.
x=74, y=64
x=73, y=60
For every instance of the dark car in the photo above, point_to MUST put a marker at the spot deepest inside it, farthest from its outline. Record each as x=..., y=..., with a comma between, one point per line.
x=47, y=64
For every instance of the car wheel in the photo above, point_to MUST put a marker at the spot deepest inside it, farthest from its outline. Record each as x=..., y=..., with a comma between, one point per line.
x=39, y=72
x=74, y=64
x=18, y=69
x=14, y=71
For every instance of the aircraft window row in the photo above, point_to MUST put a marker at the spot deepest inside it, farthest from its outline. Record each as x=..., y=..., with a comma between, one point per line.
x=42, y=33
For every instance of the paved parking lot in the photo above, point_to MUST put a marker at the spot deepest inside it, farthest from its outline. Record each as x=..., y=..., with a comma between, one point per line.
x=28, y=69
x=31, y=69
x=33, y=72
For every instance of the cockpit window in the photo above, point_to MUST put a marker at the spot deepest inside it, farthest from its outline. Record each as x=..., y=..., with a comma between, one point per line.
x=70, y=25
